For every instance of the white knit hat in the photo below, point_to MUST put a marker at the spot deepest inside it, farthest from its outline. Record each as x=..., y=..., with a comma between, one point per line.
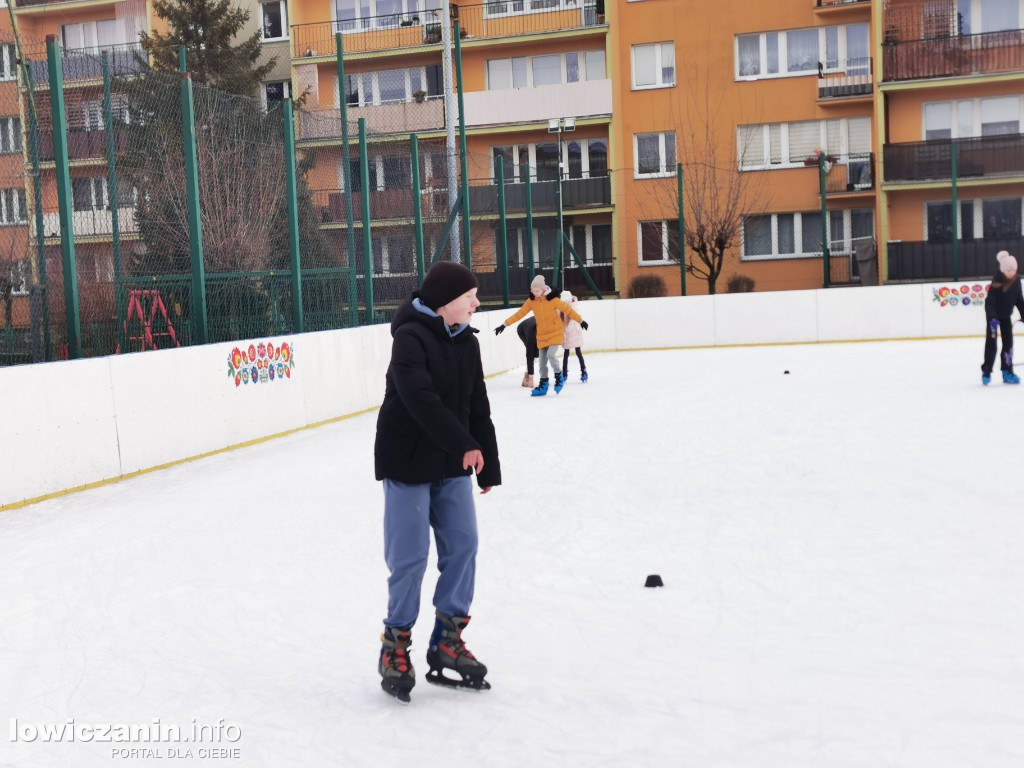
x=538, y=282
x=1007, y=263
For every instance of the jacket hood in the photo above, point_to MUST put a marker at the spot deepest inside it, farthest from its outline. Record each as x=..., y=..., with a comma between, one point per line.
x=407, y=313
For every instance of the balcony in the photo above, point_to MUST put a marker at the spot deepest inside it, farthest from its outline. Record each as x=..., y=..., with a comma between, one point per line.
x=530, y=105
x=934, y=261
x=932, y=160
x=85, y=64
x=956, y=56
x=82, y=144
x=577, y=196
x=324, y=123
x=422, y=29
x=831, y=5
x=852, y=174
x=384, y=204
x=90, y=223
x=850, y=78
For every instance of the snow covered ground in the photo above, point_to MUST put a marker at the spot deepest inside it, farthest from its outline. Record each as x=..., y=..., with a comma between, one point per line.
x=841, y=549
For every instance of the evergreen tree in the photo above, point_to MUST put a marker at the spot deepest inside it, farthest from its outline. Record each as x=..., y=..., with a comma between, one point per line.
x=207, y=29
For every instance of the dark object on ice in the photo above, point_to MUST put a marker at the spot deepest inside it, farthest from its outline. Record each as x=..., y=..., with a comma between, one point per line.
x=654, y=580
x=786, y=372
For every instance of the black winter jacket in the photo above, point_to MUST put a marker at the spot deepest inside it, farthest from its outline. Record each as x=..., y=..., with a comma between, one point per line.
x=435, y=404
x=1003, y=296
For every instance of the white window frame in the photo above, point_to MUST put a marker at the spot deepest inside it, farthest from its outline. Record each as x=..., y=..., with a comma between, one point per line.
x=285, y=29
x=99, y=195
x=531, y=149
x=662, y=155
x=976, y=17
x=410, y=9
x=374, y=78
x=11, y=127
x=798, y=234
x=526, y=7
x=658, y=52
x=263, y=91
x=666, y=259
x=515, y=234
x=977, y=214
x=8, y=62
x=841, y=152
x=21, y=275
x=841, y=52
x=975, y=106
x=582, y=59
x=14, y=199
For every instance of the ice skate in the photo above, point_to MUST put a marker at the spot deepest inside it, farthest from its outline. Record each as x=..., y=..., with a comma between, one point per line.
x=1010, y=378
x=450, y=652
x=584, y=377
x=397, y=677
x=986, y=379
x=559, y=382
x=541, y=389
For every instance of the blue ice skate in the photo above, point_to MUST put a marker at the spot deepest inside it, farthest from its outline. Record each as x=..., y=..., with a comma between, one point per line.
x=541, y=389
x=559, y=382
x=986, y=379
x=584, y=377
x=1010, y=378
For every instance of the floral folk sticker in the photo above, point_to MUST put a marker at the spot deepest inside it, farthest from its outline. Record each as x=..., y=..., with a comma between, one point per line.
x=961, y=295
x=261, y=363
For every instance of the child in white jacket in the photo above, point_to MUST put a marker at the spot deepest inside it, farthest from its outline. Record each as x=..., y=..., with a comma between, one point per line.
x=573, y=339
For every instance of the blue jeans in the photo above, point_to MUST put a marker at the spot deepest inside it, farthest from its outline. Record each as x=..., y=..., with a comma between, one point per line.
x=410, y=511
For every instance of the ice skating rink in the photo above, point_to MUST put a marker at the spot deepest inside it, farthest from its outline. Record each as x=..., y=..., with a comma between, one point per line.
x=841, y=549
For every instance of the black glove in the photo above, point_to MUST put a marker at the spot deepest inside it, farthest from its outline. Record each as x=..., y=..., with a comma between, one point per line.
x=584, y=325
x=499, y=329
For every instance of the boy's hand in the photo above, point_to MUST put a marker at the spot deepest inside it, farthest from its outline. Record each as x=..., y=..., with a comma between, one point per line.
x=499, y=329
x=474, y=459
x=486, y=490
x=584, y=325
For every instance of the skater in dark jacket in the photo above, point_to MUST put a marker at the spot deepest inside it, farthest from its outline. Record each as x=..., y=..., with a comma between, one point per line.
x=527, y=331
x=433, y=431
x=1004, y=294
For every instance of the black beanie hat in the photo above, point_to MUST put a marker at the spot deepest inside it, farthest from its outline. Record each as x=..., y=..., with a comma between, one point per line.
x=445, y=282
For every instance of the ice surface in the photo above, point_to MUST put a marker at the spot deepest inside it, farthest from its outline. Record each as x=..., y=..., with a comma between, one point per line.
x=841, y=549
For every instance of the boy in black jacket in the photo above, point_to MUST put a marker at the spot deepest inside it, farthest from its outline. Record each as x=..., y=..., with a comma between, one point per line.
x=1004, y=294
x=433, y=431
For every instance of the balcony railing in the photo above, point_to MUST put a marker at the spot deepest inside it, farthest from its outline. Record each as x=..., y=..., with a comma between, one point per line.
x=321, y=123
x=955, y=56
x=836, y=3
x=851, y=173
x=577, y=194
x=934, y=261
x=91, y=223
x=82, y=144
x=87, y=63
x=423, y=28
x=932, y=160
x=844, y=79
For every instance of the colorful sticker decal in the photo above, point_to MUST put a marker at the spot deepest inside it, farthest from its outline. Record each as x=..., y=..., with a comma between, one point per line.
x=261, y=363
x=961, y=295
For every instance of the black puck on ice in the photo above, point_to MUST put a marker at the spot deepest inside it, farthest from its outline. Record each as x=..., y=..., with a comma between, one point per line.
x=786, y=372
x=654, y=580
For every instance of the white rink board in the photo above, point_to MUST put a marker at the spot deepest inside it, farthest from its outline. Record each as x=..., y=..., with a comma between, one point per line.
x=82, y=422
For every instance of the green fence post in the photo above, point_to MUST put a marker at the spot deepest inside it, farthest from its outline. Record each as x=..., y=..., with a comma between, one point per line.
x=954, y=160
x=502, y=233
x=67, y=232
x=112, y=196
x=346, y=173
x=682, y=229
x=417, y=206
x=825, y=250
x=288, y=116
x=195, y=226
x=37, y=200
x=529, y=219
x=467, y=240
x=364, y=175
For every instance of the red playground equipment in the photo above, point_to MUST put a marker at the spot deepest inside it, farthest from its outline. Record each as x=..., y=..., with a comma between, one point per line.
x=147, y=323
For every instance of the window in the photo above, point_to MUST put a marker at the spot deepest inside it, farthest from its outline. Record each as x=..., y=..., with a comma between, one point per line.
x=583, y=158
x=658, y=242
x=8, y=62
x=89, y=194
x=275, y=93
x=551, y=69
x=275, y=19
x=10, y=135
x=21, y=273
x=991, y=219
x=939, y=221
x=798, y=235
x=800, y=51
x=996, y=15
x=394, y=254
x=593, y=244
x=654, y=66
x=994, y=116
x=1001, y=219
x=655, y=153
x=391, y=86
x=356, y=15
x=13, y=209
x=520, y=7
x=787, y=145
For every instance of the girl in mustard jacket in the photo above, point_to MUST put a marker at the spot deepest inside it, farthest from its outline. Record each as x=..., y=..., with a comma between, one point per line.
x=545, y=307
